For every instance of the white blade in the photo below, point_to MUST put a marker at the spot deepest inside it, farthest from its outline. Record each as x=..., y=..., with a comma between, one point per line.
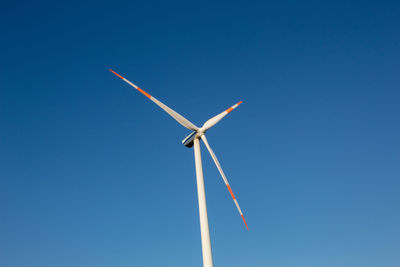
x=178, y=117
x=203, y=137
x=214, y=120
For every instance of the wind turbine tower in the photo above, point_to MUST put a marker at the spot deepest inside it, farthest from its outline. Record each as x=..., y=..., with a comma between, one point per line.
x=193, y=140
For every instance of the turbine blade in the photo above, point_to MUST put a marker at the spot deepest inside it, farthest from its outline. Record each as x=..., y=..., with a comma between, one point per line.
x=178, y=117
x=214, y=120
x=203, y=137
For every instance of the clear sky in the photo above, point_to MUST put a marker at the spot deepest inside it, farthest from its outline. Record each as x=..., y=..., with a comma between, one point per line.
x=92, y=173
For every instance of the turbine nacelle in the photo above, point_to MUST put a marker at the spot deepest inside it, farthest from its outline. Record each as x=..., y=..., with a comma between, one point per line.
x=188, y=141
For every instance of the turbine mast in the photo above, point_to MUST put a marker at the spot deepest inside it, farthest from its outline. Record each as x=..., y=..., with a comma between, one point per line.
x=205, y=231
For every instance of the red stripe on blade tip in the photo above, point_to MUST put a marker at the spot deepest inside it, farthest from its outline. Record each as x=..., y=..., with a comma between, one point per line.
x=244, y=221
x=116, y=73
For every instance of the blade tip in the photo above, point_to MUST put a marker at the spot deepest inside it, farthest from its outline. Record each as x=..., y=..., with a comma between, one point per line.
x=245, y=223
x=116, y=73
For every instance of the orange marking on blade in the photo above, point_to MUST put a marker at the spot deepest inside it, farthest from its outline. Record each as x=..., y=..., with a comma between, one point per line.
x=230, y=191
x=231, y=108
x=116, y=73
x=143, y=92
x=244, y=221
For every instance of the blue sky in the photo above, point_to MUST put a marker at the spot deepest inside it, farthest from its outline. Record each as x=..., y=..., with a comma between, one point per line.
x=94, y=174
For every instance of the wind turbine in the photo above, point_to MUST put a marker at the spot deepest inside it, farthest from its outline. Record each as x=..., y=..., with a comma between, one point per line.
x=194, y=139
